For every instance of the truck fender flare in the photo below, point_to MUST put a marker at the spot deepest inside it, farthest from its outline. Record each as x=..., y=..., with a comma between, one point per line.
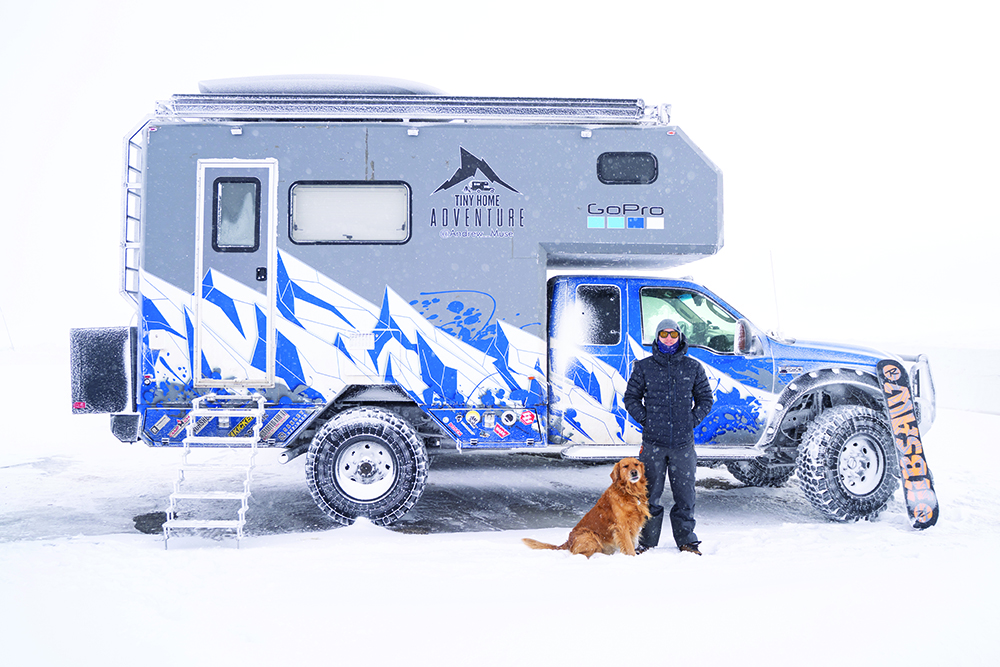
x=808, y=383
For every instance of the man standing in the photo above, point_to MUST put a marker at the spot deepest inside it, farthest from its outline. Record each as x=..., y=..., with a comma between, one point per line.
x=668, y=394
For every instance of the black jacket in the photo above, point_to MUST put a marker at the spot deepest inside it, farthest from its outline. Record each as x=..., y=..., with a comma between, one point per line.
x=668, y=394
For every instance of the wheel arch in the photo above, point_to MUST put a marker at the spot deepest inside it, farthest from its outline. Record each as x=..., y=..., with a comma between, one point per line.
x=809, y=394
x=389, y=397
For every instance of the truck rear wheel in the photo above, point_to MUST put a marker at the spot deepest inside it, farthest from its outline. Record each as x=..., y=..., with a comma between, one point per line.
x=366, y=462
x=847, y=463
x=756, y=472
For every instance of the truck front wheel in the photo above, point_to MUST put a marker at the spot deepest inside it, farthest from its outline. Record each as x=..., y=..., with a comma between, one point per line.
x=847, y=464
x=366, y=462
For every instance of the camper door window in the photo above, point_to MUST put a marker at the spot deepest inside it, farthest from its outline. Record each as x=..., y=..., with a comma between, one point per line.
x=349, y=212
x=236, y=215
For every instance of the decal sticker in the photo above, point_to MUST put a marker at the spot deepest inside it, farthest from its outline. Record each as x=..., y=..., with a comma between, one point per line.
x=527, y=417
x=501, y=431
x=624, y=216
x=471, y=165
x=280, y=418
x=181, y=423
x=292, y=425
x=164, y=420
x=240, y=426
x=479, y=209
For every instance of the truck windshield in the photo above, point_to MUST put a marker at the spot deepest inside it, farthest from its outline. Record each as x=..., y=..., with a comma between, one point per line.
x=703, y=322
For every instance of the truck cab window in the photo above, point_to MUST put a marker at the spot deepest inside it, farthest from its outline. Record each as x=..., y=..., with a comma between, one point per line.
x=703, y=321
x=236, y=215
x=600, y=314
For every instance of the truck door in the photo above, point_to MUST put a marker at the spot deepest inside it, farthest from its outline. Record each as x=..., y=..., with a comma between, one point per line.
x=235, y=273
x=740, y=381
x=590, y=356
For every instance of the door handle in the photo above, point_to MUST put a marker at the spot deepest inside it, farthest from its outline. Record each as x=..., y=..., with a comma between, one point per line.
x=261, y=273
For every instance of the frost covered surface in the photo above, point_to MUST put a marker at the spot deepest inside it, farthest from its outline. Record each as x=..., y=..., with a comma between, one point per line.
x=454, y=583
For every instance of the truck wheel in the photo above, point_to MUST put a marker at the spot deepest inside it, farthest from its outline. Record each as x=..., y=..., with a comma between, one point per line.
x=847, y=463
x=756, y=472
x=366, y=462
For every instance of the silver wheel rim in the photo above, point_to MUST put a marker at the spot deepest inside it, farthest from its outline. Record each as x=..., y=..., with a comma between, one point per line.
x=365, y=470
x=861, y=465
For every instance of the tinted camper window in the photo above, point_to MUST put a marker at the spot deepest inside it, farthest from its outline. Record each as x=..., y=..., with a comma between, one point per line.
x=626, y=168
x=349, y=212
x=236, y=215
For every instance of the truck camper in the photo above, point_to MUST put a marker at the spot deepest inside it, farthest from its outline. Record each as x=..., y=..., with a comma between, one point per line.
x=358, y=270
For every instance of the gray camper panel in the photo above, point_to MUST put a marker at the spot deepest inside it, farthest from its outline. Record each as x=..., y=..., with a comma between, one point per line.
x=300, y=258
x=489, y=205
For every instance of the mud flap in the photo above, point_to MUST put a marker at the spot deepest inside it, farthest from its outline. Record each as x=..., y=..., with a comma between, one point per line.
x=918, y=482
x=101, y=363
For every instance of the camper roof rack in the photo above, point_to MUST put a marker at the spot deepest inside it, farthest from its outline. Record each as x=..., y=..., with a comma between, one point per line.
x=412, y=108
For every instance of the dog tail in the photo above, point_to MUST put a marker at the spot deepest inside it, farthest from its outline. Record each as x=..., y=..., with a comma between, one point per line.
x=535, y=544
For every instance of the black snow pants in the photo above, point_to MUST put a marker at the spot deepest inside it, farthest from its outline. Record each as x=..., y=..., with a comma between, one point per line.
x=680, y=464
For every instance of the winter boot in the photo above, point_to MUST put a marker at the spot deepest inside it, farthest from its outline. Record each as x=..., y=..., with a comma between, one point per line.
x=650, y=535
x=691, y=547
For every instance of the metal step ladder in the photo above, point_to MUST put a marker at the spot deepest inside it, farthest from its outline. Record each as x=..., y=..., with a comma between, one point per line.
x=203, y=409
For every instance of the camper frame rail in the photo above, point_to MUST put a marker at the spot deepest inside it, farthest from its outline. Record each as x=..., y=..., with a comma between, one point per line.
x=414, y=107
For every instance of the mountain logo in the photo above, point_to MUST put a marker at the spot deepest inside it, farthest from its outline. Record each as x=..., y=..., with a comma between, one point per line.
x=471, y=167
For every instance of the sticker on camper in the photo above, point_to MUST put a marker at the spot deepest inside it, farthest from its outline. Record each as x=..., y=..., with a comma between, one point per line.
x=160, y=424
x=270, y=427
x=181, y=423
x=469, y=168
x=478, y=203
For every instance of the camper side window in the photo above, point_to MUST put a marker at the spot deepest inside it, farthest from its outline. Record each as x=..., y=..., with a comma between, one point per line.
x=236, y=215
x=349, y=212
x=627, y=168
x=600, y=314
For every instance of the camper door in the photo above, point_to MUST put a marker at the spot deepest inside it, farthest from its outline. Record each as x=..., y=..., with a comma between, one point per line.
x=235, y=260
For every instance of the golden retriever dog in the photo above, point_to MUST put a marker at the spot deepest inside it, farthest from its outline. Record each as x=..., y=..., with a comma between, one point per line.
x=615, y=521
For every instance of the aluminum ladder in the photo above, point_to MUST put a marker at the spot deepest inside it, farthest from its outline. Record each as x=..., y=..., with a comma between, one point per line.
x=203, y=410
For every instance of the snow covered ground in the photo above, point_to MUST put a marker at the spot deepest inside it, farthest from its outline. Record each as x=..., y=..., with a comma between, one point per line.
x=454, y=585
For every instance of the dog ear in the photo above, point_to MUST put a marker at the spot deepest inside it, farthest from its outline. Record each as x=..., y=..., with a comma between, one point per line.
x=615, y=472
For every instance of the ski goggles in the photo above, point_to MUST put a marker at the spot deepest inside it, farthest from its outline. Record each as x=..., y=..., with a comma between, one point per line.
x=669, y=334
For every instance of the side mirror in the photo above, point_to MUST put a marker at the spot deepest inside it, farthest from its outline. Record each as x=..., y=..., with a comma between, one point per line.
x=744, y=338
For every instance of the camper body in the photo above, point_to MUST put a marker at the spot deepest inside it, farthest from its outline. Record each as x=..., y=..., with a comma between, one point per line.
x=377, y=267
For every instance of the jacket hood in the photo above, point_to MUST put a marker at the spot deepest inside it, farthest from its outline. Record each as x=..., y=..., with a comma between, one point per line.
x=682, y=347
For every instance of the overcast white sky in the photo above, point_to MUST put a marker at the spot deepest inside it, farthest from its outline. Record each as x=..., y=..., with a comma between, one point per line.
x=855, y=138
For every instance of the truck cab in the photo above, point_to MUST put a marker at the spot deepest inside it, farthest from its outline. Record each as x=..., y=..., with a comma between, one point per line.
x=769, y=392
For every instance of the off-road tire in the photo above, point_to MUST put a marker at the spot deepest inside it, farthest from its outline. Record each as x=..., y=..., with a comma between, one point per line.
x=366, y=462
x=755, y=472
x=847, y=464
